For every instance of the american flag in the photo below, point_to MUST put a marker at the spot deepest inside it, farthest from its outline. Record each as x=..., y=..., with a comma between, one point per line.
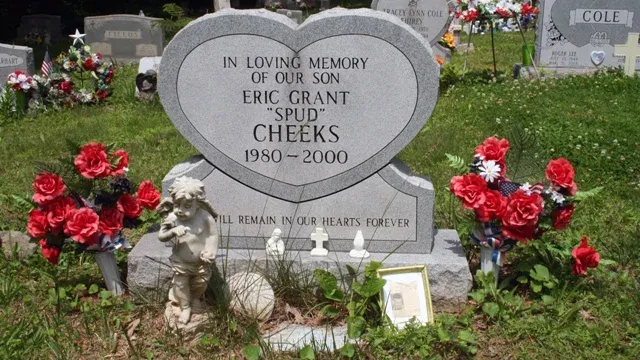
x=46, y=64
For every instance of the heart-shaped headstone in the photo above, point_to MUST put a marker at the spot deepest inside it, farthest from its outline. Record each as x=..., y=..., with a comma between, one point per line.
x=597, y=57
x=298, y=112
x=581, y=20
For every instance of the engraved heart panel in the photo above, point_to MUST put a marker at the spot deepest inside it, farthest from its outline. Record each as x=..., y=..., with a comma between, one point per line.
x=298, y=112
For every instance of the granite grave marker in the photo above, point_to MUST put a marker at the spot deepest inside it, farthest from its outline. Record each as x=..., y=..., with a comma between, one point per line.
x=42, y=24
x=295, y=15
x=12, y=58
x=431, y=18
x=298, y=127
x=124, y=37
x=581, y=35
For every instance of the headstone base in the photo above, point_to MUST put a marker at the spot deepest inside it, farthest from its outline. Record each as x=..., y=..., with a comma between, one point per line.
x=528, y=72
x=149, y=268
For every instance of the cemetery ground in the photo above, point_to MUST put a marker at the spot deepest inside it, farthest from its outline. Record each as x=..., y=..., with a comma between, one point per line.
x=592, y=121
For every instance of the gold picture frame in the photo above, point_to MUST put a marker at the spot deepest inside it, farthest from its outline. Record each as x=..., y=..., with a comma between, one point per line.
x=404, y=297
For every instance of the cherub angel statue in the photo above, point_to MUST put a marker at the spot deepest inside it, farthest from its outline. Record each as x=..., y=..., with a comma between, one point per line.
x=190, y=219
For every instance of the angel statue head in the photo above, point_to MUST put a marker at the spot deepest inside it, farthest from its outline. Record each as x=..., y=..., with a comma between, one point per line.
x=187, y=196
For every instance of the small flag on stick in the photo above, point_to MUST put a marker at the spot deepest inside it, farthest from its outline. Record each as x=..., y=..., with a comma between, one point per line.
x=46, y=64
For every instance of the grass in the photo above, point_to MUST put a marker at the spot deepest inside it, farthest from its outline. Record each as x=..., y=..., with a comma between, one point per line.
x=592, y=121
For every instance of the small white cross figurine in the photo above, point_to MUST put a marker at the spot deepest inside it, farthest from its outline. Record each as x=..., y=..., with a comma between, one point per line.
x=77, y=37
x=631, y=51
x=319, y=236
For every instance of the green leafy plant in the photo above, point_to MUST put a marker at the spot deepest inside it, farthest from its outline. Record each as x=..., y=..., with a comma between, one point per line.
x=497, y=304
x=539, y=278
x=361, y=304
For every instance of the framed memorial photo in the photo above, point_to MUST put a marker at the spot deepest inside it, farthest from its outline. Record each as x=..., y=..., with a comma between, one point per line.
x=406, y=295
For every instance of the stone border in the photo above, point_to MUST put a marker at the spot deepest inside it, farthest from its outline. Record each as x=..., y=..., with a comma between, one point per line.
x=317, y=27
x=452, y=8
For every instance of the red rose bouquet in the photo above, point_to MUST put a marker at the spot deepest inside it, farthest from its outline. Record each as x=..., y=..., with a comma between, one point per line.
x=508, y=212
x=89, y=204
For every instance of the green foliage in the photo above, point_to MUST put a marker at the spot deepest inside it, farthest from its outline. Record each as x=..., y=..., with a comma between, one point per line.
x=361, y=304
x=251, y=352
x=539, y=279
x=177, y=20
x=447, y=338
x=457, y=163
x=307, y=353
x=497, y=304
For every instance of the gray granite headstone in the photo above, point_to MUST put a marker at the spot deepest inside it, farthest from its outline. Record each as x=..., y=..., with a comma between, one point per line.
x=580, y=35
x=299, y=126
x=124, y=37
x=42, y=24
x=12, y=58
x=295, y=15
x=431, y=18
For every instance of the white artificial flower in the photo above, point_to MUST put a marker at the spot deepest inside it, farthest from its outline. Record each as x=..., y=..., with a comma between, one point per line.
x=490, y=171
x=557, y=197
x=526, y=187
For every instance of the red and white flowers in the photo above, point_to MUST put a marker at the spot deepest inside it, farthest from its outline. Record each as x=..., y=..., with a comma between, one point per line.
x=92, y=217
x=510, y=212
x=471, y=10
x=19, y=81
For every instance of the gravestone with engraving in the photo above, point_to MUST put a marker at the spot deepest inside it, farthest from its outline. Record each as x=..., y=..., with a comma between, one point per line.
x=124, y=37
x=12, y=58
x=299, y=127
x=431, y=18
x=46, y=26
x=577, y=36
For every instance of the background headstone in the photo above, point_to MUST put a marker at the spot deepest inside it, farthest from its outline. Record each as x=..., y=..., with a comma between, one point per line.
x=124, y=37
x=12, y=58
x=41, y=24
x=295, y=15
x=580, y=35
x=431, y=18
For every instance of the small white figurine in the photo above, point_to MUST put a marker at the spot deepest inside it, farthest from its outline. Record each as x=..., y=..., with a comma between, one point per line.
x=358, y=247
x=319, y=236
x=190, y=219
x=275, y=245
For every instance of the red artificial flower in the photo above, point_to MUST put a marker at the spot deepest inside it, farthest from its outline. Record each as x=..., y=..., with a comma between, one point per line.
x=504, y=13
x=37, y=225
x=58, y=211
x=47, y=187
x=469, y=15
x=585, y=257
x=51, y=253
x=123, y=162
x=528, y=9
x=82, y=226
x=110, y=221
x=521, y=216
x=88, y=64
x=560, y=173
x=109, y=76
x=493, y=207
x=562, y=217
x=129, y=206
x=66, y=87
x=92, y=161
x=494, y=149
x=470, y=189
x=148, y=196
x=101, y=95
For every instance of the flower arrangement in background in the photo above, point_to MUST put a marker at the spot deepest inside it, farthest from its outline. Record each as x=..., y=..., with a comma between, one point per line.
x=448, y=41
x=509, y=212
x=472, y=10
x=35, y=38
x=88, y=202
x=76, y=77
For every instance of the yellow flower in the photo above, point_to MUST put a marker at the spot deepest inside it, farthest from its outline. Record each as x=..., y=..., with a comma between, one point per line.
x=449, y=40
